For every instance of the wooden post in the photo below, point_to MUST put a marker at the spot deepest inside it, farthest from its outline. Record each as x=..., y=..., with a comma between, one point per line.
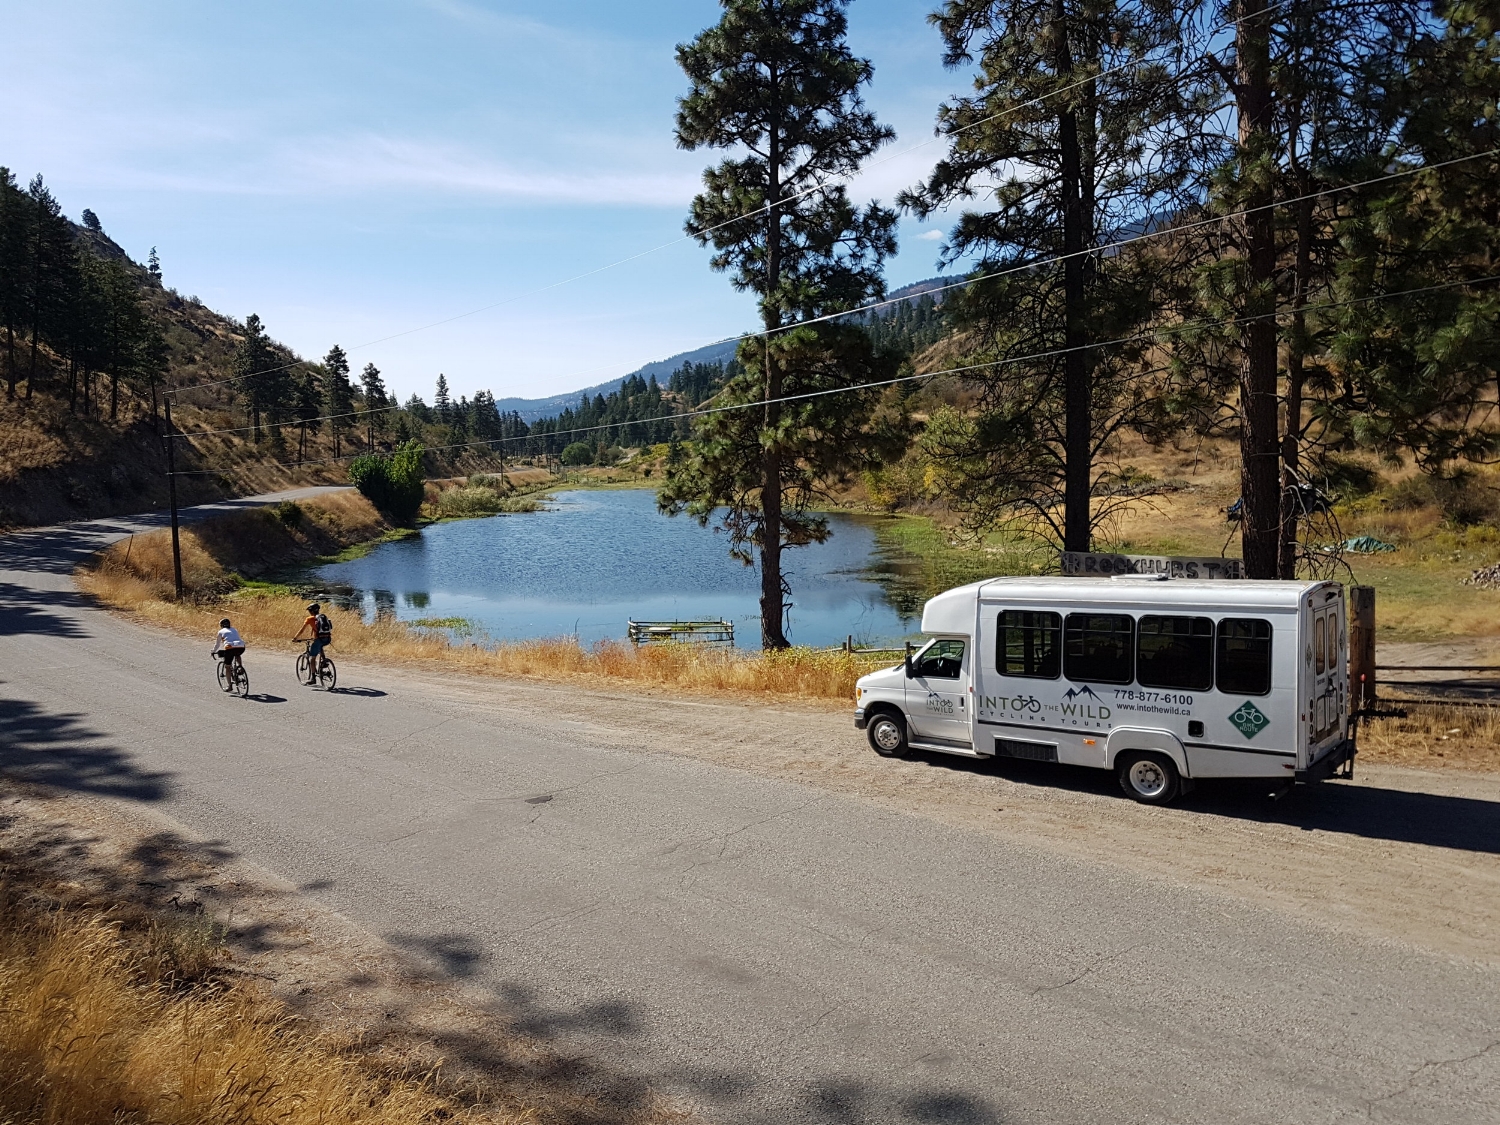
x=172, y=494
x=1361, y=648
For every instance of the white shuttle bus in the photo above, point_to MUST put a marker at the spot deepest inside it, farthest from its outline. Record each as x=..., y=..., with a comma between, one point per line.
x=1162, y=680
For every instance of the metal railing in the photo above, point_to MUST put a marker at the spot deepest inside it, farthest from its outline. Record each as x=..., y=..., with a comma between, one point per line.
x=683, y=632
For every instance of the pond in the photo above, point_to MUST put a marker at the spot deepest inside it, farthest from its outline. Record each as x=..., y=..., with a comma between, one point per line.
x=593, y=560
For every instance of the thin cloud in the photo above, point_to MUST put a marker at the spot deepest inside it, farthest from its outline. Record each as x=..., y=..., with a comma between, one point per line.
x=375, y=162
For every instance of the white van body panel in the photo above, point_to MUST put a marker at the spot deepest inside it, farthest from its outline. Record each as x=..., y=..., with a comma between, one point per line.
x=1207, y=732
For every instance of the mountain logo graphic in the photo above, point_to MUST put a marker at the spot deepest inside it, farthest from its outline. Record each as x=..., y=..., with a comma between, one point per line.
x=1079, y=693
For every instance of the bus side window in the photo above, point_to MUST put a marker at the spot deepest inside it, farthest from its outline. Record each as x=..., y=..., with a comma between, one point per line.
x=1099, y=648
x=1028, y=644
x=1175, y=652
x=1244, y=656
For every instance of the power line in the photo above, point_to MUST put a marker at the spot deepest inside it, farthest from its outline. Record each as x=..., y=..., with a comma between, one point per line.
x=1103, y=248
x=762, y=210
x=1033, y=357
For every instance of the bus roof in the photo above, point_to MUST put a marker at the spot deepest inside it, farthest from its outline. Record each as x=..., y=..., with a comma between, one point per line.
x=953, y=610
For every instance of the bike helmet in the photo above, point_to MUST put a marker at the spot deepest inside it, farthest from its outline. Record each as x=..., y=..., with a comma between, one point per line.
x=224, y=624
x=313, y=608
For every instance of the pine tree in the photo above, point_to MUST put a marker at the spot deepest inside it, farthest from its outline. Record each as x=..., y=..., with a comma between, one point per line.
x=153, y=265
x=1070, y=140
x=309, y=408
x=1419, y=373
x=774, y=82
x=338, y=394
x=442, y=404
x=1297, y=77
x=15, y=236
x=256, y=376
x=50, y=257
x=375, y=402
x=91, y=221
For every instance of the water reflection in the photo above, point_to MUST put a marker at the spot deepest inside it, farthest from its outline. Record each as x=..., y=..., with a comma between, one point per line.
x=594, y=560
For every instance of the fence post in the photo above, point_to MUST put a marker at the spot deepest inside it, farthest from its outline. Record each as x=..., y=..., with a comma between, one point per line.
x=1361, y=648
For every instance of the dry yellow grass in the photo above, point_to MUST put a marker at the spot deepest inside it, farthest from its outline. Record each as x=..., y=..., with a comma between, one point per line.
x=267, y=621
x=94, y=1033
x=135, y=576
x=245, y=543
x=1463, y=737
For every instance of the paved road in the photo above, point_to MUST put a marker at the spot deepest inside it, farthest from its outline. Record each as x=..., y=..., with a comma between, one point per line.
x=774, y=951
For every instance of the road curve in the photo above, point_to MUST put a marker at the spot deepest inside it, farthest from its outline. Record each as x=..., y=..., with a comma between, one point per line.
x=772, y=951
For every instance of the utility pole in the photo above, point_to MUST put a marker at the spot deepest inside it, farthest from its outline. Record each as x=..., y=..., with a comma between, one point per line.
x=172, y=494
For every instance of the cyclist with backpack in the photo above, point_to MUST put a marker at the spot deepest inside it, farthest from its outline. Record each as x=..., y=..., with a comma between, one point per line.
x=320, y=629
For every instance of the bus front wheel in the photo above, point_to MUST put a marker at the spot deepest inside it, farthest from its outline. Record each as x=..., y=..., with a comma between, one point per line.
x=1150, y=778
x=887, y=734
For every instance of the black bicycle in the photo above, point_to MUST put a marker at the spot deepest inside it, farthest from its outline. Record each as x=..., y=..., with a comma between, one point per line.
x=327, y=675
x=232, y=676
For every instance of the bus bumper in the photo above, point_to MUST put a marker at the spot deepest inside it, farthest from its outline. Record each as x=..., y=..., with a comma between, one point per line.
x=1338, y=762
x=859, y=719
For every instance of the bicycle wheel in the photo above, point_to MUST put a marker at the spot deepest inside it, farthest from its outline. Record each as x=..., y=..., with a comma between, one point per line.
x=328, y=675
x=242, y=680
x=223, y=674
x=302, y=668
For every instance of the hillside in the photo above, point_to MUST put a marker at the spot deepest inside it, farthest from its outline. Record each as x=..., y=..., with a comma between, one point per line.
x=535, y=409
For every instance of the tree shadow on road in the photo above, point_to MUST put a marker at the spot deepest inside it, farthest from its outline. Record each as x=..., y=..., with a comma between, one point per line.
x=580, y=1030
x=26, y=612
x=59, y=749
x=1375, y=813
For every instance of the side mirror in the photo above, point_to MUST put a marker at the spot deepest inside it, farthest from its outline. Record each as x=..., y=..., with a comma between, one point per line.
x=910, y=671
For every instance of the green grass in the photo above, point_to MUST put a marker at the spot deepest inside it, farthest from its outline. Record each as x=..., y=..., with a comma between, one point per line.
x=458, y=626
x=917, y=558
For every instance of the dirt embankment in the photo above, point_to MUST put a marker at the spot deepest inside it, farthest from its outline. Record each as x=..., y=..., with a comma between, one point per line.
x=217, y=554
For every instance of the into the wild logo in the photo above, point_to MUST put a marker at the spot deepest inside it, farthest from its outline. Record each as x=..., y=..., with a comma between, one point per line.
x=1080, y=692
x=1248, y=719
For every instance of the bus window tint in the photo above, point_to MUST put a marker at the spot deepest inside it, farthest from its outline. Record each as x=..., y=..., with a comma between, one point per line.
x=1319, y=631
x=1097, y=648
x=1175, y=652
x=1029, y=644
x=1244, y=656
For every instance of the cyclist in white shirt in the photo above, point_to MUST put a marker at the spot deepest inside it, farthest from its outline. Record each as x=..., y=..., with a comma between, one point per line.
x=228, y=645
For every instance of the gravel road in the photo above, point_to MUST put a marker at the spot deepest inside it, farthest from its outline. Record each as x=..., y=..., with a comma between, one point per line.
x=742, y=905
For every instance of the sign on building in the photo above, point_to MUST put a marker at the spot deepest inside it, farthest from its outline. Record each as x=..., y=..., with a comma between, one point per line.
x=1093, y=564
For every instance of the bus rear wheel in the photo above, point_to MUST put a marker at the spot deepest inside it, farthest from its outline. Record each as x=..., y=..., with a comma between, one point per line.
x=1149, y=778
x=887, y=735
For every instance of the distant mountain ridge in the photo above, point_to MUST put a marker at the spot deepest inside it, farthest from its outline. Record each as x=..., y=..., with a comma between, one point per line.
x=532, y=409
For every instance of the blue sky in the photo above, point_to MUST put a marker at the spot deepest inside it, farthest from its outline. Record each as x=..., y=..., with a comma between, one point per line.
x=353, y=171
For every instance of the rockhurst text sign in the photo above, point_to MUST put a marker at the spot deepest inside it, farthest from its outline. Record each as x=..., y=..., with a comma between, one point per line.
x=1099, y=565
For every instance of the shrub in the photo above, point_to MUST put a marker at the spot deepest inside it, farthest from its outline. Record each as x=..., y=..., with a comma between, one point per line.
x=470, y=501
x=579, y=453
x=288, y=513
x=393, y=484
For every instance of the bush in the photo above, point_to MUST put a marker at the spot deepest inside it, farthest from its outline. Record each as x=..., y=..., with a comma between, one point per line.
x=470, y=502
x=393, y=484
x=288, y=513
x=1464, y=498
x=486, y=480
x=579, y=453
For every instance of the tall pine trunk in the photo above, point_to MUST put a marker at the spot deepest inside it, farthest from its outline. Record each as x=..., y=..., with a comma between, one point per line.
x=1291, y=442
x=1260, y=527
x=1077, y=388
x=772, y=597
